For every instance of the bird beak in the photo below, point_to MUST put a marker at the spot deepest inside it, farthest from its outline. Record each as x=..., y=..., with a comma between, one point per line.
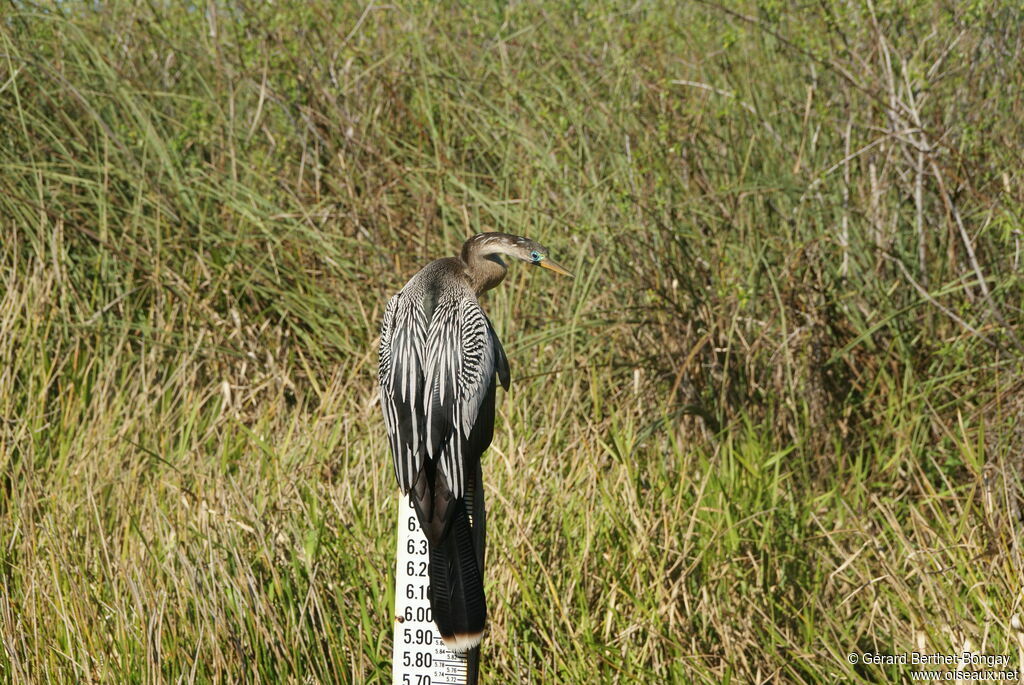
x=554, y=266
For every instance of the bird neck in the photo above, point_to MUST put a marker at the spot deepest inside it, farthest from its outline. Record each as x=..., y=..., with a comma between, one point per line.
x=484, y=271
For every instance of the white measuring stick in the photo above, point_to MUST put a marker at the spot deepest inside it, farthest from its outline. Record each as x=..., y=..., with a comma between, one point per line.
x=419, y=656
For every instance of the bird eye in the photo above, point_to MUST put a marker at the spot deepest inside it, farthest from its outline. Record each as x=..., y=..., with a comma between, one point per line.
x=536, y=256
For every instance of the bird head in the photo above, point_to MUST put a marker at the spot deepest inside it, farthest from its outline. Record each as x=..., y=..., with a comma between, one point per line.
x=518, y=247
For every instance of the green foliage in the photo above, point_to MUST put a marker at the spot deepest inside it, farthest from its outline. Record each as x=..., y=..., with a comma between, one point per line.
x=774, y=420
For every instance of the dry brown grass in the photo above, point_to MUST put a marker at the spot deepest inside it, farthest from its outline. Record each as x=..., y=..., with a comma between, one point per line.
x=774, y=420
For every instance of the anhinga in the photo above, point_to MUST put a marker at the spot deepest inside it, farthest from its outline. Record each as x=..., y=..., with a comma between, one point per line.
x=439, y=356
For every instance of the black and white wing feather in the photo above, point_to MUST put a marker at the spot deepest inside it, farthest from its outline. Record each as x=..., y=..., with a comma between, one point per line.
x=402, y=344
x=438, y=358
x=459, y=369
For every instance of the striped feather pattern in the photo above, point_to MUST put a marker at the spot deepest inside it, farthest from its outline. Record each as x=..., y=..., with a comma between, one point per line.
x=402, y=337
x=438, y=356
x=460, y=366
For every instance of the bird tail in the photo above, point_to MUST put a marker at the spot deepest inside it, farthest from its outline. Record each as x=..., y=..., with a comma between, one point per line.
x=456, y=586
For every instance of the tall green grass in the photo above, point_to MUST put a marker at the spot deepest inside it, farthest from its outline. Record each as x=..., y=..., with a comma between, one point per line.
x=775, y=419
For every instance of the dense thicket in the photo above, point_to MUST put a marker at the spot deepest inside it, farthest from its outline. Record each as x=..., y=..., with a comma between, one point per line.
x=775, y=419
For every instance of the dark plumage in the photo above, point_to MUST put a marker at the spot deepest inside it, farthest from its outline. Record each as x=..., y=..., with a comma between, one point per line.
x=439, y=359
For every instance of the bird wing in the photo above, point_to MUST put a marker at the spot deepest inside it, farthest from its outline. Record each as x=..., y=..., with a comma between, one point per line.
x=500, y=360
x=403, y=336
x=460, y=368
